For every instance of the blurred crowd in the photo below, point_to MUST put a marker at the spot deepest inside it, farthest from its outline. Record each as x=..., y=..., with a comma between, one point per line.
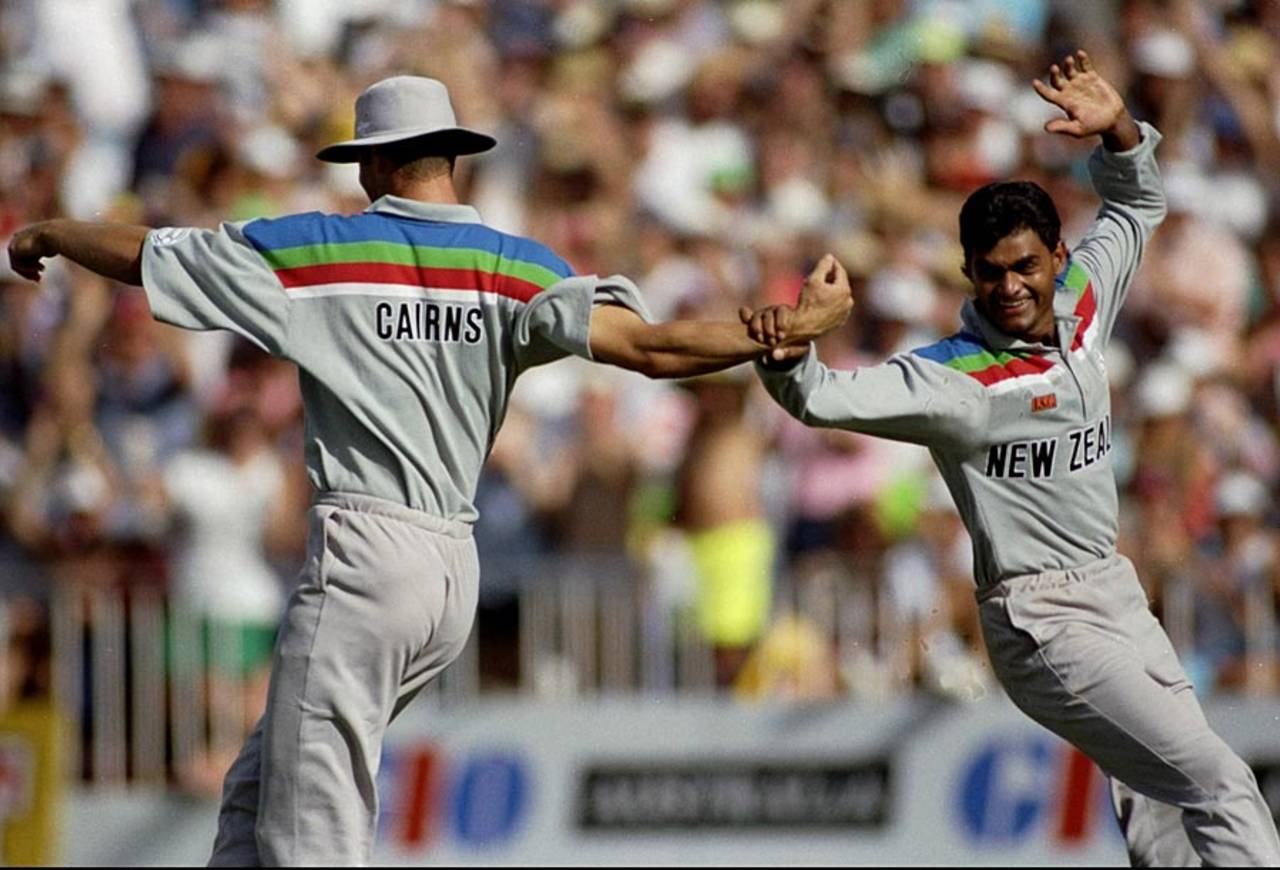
x=712, y=151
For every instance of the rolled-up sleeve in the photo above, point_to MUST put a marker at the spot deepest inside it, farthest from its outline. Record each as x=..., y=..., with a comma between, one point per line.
x=557, y=322
x=215, y=279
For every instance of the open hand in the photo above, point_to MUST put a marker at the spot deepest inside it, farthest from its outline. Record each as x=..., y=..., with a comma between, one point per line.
x=26, y=250
x=1092, y=105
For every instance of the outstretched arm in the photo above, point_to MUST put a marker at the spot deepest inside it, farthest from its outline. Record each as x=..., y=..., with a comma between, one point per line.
x=906, y=398
x=684, y=348
x=678, y=349
x=112, y=250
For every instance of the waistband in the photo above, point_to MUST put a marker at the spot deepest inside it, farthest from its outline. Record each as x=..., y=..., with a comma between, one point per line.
x=368, y=504
x=1024, y=584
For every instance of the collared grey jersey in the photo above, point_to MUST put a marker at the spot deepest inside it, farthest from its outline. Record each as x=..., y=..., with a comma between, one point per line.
x=1021, y=432
x=409, y=324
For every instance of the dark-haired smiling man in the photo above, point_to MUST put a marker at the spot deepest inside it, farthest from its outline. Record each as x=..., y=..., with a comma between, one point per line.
x=1015, y=409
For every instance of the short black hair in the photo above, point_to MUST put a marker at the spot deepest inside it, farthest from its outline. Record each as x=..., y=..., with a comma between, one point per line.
x=1003, y=208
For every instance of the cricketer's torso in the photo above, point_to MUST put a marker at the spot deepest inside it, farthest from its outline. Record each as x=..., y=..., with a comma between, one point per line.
x=1035, y=485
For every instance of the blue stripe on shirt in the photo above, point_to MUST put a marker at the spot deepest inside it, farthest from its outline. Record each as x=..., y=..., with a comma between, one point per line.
x=315, y=228
x=958, y=345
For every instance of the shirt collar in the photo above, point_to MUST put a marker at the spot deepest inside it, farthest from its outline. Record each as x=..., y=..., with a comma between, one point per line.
x=425, y=211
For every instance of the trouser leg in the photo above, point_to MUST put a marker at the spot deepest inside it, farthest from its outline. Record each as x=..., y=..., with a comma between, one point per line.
x=381, y=608
x=1153, y=831
x=1089, y=662
x=236, y=844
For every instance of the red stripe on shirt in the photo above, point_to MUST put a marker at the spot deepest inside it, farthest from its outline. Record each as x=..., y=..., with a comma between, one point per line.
x=391, y=273
x=1034, y=365
x=1085, y=310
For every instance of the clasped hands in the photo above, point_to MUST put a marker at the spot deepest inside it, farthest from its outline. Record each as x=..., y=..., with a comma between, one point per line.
x=824, y=304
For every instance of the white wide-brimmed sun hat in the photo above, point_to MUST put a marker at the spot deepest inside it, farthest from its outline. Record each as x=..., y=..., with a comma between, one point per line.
x=404, y=108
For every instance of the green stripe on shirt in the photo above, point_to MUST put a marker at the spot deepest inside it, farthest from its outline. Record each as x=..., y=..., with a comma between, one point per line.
x=1077, y=279
x=976, y=362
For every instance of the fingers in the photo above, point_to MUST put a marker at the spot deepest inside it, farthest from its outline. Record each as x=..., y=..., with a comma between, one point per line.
x=1065, y=126
x=1073, y=66
x=25, y=255
x=764, y=324
x=777, y=322
x=31, y=273
x=829, y=270
x=769, y=325
x=28, y=267
x=822, y=269
x=744, y=314
x=1046, y=93
x=839, y=275
x=794, y=351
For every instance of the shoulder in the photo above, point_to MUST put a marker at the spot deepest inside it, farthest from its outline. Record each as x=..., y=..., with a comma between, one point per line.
x=960, y=353
x=961, y=368
x=526, y=250
x=1076, y=277
x=962, y=362
x=290, y=231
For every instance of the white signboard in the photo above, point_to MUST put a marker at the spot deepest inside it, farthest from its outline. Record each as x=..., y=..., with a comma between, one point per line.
x=702, y=782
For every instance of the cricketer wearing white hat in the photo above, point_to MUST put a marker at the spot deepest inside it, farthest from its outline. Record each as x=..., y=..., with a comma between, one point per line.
x=409, y=323
x=407, y=109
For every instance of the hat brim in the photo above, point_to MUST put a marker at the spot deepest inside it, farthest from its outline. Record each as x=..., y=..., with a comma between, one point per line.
x=452, y=142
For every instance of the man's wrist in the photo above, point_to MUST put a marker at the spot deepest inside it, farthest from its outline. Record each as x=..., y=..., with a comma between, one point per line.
x=1124, y=135
x=803, y=328
x=47, y=237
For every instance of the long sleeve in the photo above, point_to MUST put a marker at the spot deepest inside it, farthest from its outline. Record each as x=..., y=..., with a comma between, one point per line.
x=906, y=398
x=1133, y=205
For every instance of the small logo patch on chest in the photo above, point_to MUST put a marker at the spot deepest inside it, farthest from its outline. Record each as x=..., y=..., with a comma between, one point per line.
x=1044, y=403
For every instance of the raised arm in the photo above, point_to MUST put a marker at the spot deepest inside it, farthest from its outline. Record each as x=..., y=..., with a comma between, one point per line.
x=112, y=250
x=684, y=348
x=1124, y=173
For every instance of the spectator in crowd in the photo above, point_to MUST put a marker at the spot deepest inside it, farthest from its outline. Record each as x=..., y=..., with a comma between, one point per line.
x=929, y=582
x=1235, y=602
x=225, y=503
x=719, y=507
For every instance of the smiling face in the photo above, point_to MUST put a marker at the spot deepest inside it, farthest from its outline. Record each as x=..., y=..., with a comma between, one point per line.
x=1013, y=284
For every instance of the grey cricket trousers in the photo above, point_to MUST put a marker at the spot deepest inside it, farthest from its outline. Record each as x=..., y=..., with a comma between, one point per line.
x=385, y=601
x=1081, y=653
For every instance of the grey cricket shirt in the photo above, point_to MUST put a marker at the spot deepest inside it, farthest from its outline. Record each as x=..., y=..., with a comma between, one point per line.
x=409, y=325
x=1021, y=432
